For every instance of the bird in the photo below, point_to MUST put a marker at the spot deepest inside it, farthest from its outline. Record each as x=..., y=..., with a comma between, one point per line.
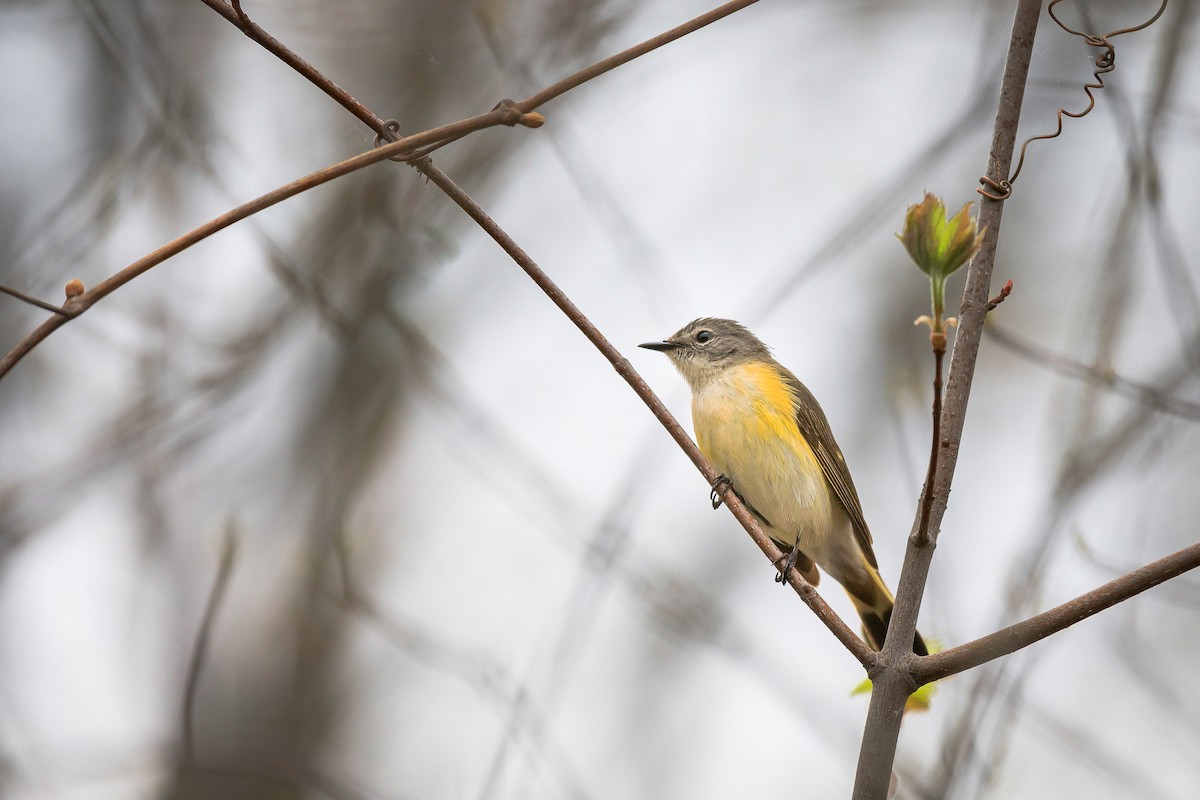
x=766, y=435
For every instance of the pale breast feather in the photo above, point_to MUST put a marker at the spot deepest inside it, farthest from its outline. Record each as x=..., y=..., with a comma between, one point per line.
x=750, y=437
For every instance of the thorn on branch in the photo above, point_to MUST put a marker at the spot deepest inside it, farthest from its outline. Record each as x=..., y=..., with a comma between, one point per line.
x=1005, y=291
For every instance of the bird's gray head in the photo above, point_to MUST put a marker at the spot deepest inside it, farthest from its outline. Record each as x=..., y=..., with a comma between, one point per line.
x=705, y=347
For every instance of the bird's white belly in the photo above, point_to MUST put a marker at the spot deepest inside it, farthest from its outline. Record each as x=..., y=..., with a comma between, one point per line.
x=762, y=452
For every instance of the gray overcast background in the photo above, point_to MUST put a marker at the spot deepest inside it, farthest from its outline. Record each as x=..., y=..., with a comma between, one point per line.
x=468, y=562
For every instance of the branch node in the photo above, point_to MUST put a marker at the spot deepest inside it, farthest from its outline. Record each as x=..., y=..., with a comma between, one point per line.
x=33, y=301
x=1005, y=291
x=242, y=16
x=510, y=113
x=513, y=115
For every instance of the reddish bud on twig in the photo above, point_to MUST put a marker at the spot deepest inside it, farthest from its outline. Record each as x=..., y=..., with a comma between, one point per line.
x=74, y=288
x=1005, y=291
x=532, y=119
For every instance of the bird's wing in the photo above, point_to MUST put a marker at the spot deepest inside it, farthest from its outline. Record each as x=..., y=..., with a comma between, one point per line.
x=815, y=429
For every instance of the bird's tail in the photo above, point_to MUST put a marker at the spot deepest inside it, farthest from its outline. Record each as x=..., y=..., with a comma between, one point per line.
x=874, y=603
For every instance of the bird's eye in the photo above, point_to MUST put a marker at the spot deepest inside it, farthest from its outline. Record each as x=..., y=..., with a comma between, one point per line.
x=704, y=337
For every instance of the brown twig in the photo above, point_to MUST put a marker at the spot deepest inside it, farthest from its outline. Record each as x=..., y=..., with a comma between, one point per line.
x=807, y=592
x=1005, y=291
x=939, y=351
x=77, y=305
x=416, y=147
x=893, y=681
x=234, y=14
x=33, y=301
x=1022, y=634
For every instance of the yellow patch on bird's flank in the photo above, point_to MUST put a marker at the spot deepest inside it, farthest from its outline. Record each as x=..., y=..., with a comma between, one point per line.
x=745, y=421
x=775, y=405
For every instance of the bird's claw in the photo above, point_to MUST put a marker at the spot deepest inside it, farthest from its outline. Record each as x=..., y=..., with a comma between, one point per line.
x=720, y=484
x=789, y=563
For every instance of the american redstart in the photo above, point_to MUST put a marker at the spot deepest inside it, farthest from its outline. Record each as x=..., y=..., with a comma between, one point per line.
x=768, y=437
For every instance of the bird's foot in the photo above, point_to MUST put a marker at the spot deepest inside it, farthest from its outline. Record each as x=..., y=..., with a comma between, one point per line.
x=789, y=563
x=719, y=485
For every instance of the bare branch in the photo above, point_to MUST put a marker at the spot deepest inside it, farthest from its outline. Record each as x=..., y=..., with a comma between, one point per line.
x=807, y=592
x=234, y=14
x=1014, y=637
x=893, y=684
x=1147, y=395
x=33, y=301
x=1005, y=291
x=405, y=148
x=77, y=305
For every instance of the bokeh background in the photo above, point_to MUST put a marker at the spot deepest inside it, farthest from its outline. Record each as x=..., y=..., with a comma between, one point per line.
x=442, y=549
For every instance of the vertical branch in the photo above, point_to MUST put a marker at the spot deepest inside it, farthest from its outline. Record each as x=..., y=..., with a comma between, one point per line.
x=939, y=351
x=893, y=679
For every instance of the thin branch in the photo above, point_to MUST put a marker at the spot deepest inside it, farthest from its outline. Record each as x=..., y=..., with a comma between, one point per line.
x=81, y=303
x=1096, y=375
x=893, y=681
x=807, y=592
x=625, y=56
x=1014, y=637
x=234, y=14
x=33, y=301
x=417, y=146
x=1005, y=291
x=203, y=636
x=939, y=351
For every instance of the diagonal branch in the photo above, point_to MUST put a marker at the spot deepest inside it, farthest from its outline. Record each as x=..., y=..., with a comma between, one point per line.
x=234, y=14
x=80, y=303
x=807, y=592
x=401, y=148
x=33, y=301
x=1103, y=377
x=1014, y=637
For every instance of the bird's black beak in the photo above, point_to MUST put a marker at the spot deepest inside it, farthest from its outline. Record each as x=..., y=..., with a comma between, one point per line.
x=662, y=347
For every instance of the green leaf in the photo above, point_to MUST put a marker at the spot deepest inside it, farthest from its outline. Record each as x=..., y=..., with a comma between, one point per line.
x=939, y=246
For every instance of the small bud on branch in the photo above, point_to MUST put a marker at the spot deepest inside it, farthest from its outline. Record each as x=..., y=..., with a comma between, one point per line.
x=939, y=247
